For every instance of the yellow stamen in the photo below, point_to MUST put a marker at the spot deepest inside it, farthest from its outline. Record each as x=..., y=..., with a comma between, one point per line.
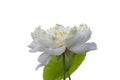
x=62, y=33
x=59, y=42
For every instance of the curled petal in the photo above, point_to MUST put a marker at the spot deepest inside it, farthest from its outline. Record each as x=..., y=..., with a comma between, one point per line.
x=80, y=49
x=57, y=51
x=44, y=58
x=40, y=65
x=36, y=46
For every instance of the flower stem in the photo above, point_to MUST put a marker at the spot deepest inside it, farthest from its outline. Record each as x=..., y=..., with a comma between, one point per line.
x=64, y=67
x=69, y=78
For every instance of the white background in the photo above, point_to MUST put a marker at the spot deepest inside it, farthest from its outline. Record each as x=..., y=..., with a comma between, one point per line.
x=18, y=18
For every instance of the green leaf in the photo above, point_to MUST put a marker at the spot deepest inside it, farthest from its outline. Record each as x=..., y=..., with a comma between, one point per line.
x=54, y=69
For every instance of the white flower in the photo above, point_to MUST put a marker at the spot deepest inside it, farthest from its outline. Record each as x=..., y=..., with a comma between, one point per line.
x=56, y=40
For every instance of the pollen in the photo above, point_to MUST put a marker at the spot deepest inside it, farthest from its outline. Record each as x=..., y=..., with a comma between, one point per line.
x=62, y=33
x=59, y=42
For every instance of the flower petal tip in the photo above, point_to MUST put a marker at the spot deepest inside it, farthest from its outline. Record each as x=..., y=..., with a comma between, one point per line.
x=93, y=46
x=40, y=65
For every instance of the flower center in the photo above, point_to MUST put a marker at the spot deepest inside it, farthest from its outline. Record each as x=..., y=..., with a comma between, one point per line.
x=62, y=33
x=60, y=42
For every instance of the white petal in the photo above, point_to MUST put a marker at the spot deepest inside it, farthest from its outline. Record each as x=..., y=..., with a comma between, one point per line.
x=82, y=38
x=68, y=40
x=78, y=38
x=41, y=45
x=47, y=43
x=83, y=48
x=36, y=46
x=40, y=65
x=38, y=33
x=57, y=51
x=44, y=58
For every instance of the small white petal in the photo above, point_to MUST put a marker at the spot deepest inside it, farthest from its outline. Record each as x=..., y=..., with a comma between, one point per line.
x=40, y=65
x=57, y=51
x=80, y=49
x=44, y=58
x=36, y=46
